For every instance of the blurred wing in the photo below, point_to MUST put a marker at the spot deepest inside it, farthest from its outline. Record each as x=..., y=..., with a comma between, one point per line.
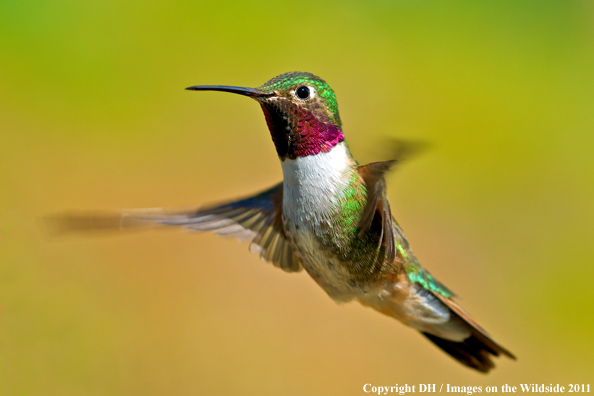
x=258, y=218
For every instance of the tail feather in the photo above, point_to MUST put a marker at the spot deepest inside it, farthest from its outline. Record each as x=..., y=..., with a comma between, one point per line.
x=475, y=351
x=471, y=352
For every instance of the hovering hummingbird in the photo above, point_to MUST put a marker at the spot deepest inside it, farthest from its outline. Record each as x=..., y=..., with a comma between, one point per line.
x=331, y=217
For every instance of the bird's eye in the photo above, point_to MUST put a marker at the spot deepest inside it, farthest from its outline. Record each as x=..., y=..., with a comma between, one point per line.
x=302, y=92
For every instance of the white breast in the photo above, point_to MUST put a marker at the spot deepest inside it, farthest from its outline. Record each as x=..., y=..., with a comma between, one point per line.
x=312, y=185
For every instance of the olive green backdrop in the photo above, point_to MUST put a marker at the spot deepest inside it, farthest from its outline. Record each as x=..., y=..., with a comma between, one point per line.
x=93, y=115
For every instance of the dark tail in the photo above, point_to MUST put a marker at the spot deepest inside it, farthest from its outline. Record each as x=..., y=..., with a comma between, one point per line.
x=475, y=351
x=471, y=352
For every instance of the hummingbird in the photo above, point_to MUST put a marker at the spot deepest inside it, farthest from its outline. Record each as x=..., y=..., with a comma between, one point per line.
x=329, y=216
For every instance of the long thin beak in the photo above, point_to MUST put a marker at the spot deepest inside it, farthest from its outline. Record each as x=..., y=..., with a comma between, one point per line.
x=251, y=92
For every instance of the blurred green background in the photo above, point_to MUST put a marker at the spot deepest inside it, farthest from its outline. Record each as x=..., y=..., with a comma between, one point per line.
x=93, y=115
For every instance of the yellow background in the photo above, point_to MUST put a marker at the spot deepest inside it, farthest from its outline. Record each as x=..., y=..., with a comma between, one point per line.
x=93, y=115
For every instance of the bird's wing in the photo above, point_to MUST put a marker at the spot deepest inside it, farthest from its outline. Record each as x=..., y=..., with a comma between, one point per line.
x=376, y=212
x=258, y=218
x=377, y=215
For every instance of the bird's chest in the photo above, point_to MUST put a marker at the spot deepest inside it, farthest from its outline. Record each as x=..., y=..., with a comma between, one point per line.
x=311, y=219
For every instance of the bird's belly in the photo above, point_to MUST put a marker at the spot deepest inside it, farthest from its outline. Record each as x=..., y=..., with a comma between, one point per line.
x=320, y=263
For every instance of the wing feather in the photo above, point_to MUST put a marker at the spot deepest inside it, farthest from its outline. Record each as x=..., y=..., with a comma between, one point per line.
x=377, y=205
x=258, y=218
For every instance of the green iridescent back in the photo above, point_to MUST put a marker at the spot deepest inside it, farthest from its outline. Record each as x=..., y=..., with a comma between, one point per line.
x=359, y=253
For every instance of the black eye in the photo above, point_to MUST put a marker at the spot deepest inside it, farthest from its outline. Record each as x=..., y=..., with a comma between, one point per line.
x=302, y=92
